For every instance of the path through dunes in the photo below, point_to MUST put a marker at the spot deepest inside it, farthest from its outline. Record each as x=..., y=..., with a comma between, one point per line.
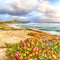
x=12, y=36
x=2, y=53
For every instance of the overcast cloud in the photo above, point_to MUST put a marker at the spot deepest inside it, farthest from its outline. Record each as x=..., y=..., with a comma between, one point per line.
x=30, y=10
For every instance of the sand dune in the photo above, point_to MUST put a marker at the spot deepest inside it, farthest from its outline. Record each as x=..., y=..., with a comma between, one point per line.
x=14, y=36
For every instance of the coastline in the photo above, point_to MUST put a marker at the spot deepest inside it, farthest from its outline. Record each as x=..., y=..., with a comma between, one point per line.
x=45, y=27
x=11, y=35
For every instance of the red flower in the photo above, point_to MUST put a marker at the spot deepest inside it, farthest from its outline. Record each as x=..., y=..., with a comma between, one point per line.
x=20, y=58
x=24, y=44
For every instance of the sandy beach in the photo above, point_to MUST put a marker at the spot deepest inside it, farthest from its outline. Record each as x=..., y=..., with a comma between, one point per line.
x=14, y=36
x=10, y=37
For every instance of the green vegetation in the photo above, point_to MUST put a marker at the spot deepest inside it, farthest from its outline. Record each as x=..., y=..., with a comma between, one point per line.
x=5, y=25
x=34, y=48
x=15, y=22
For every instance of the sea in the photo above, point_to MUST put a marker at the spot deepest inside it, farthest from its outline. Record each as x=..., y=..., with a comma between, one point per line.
x=52, y=28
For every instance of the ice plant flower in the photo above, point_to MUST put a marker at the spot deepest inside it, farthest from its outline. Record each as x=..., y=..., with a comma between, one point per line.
x=17, y=54
x=21, y=57
x=31, y=40
x=24, y=47
x=24, y=44
x=35, y=48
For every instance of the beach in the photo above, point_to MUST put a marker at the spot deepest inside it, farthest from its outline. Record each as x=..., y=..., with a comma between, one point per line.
x=14, y=33
x=10, y=37
x=14, y=36
x=52, y=28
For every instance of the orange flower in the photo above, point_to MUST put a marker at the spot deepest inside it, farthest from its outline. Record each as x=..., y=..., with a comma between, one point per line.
x=19, y=58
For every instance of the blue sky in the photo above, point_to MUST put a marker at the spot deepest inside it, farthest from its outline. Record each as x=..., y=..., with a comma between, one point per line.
x=30, y=10
x=53, y=1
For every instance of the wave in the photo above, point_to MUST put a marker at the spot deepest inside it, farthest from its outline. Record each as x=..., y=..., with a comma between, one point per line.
x=53, y=28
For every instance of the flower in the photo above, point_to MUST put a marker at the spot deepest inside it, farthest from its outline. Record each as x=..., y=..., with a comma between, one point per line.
x=24, y=47
x=24, y=44
x=35, y=48
x=16, y=54
x=21, y=57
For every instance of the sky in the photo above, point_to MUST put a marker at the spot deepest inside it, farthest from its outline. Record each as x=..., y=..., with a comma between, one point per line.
x=30, y=10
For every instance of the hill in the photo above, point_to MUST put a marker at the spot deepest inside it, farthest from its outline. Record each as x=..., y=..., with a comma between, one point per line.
x=13, y=21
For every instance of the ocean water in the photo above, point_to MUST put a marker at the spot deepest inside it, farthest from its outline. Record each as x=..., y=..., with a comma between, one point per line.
x=53, y=28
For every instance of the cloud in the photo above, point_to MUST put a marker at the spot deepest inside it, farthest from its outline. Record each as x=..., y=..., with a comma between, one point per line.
x=18, y=7
x=11, y=9
x=30, y=10
x=52, y=13
x=33, y=16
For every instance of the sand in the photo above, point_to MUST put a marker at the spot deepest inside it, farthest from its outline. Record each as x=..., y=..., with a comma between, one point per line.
x=13, y=37
x=10, y=37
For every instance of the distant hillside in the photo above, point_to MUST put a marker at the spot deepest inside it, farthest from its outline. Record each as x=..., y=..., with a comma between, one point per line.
x=5, y=25
x=13, y=21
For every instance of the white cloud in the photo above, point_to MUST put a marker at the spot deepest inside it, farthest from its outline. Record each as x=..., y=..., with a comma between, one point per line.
x=52, y=12
x=23, y=4
x=39, y=9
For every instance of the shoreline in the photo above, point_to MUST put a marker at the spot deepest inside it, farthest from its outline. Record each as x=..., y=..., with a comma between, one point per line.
x=34, y=26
